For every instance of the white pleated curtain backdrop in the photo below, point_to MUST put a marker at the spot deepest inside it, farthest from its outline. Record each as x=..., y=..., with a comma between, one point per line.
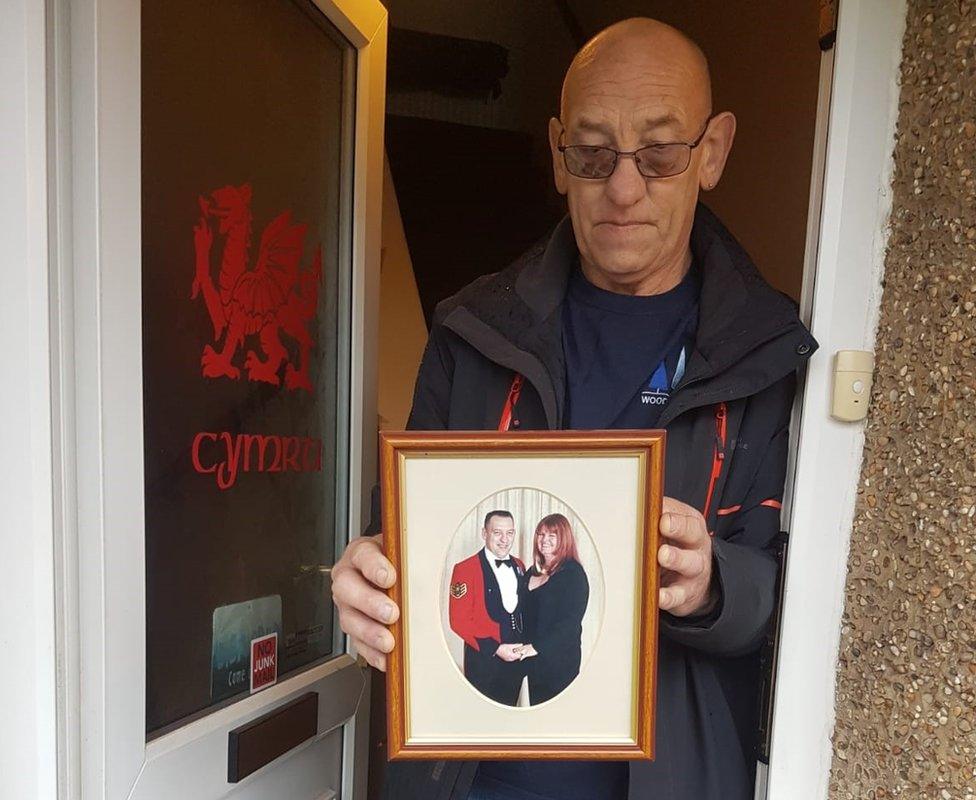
x=527, y=506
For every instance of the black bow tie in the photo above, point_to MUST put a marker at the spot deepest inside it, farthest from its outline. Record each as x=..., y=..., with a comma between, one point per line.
x=506, y=561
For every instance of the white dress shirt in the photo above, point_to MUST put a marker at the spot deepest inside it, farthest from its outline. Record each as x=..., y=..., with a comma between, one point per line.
x=507, y=580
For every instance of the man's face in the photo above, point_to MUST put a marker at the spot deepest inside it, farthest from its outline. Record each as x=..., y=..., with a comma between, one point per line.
x=628, y=226
x=499, y=535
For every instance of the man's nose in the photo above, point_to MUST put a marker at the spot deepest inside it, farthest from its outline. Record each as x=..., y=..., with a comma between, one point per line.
x=626, y=185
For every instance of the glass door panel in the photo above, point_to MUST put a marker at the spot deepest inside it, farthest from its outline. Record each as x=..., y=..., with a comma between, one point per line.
x=246, y=124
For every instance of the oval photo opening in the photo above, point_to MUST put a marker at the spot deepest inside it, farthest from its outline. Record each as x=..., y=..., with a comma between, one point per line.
x=523, y=596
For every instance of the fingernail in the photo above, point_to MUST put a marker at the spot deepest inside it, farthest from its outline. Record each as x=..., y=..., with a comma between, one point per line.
x=388, y=613
x=383, y=575
x=666, y=555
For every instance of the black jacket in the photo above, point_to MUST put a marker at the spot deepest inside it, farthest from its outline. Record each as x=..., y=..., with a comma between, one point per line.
x=554, y=626
x=728, y=432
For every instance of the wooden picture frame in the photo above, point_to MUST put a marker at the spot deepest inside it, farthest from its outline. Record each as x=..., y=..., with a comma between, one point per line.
x=595, y=496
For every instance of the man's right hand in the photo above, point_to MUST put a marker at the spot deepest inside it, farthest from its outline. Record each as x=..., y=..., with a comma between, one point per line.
x=364, y=610
x=509, y=652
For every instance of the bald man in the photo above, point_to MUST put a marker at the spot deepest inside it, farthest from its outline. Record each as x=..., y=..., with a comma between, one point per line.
x=639, y=311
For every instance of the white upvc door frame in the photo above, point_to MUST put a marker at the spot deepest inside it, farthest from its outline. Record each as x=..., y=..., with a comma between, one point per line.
x=28, y=675
x=95, y=354
x=841, y=302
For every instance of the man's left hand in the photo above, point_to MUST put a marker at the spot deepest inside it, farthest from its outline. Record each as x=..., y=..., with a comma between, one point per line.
x=685, y=556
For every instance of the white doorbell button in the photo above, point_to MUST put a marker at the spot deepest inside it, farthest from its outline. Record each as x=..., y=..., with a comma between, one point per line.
x=853, y=370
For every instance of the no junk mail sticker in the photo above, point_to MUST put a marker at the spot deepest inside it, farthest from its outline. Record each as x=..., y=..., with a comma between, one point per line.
x=264, y=662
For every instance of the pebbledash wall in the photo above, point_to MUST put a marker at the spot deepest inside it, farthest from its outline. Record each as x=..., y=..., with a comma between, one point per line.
x=906, y=683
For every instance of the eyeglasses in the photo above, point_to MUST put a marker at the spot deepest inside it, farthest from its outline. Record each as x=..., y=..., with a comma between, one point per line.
x=659, y=160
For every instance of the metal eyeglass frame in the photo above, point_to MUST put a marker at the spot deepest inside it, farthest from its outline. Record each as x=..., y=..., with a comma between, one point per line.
x=630, y=154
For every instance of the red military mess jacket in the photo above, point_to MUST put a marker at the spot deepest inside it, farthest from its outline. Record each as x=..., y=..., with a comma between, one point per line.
x=468, y=613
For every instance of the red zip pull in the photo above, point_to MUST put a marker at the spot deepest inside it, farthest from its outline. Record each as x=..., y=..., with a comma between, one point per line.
x=505, y=423
x=721, y=418
x=718, y=456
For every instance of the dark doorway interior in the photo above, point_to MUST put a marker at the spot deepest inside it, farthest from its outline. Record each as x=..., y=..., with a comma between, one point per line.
x=471, y=199
x=470, y=166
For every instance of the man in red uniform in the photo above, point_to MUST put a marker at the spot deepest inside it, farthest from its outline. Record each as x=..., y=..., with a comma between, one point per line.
x=485, y=611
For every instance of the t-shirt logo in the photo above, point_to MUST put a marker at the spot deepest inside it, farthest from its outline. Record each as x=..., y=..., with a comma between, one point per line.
x=658, y=388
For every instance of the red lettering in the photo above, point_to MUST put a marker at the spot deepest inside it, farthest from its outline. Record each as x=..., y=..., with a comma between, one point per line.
x=291, y=454
x=195, y=451
x=291, y=447
x=310, y=455
x=227, y=473
x=276, y=464
x=262, y=442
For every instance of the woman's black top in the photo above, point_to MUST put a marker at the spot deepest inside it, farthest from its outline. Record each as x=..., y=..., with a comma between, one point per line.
x=553, y=625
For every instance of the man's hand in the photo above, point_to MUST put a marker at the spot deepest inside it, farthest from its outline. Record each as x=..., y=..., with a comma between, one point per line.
x=509, y=652
x=527, y=652
x=364, y=610
x=686, y=561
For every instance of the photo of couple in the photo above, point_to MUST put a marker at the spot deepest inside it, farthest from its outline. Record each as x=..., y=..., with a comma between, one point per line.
x=522, y=600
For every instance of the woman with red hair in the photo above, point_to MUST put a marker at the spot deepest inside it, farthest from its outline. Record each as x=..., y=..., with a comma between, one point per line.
x=555, y=604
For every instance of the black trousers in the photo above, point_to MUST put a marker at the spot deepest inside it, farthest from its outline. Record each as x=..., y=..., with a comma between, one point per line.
x=496, y=679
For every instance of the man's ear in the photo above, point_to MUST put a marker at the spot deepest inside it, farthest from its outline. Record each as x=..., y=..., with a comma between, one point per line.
x=716, y=147
x=558, y=164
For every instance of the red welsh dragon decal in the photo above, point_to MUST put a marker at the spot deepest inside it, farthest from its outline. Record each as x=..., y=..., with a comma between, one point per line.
x=272, y=297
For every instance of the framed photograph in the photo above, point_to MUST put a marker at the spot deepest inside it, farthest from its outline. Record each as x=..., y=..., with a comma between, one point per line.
x=527, y=583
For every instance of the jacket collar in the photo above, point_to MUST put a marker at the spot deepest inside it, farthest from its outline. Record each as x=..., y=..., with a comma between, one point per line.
x=739, y=314
x=542, y=283
x=737, y=308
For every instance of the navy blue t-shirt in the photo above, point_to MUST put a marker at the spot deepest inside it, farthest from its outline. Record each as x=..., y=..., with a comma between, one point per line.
x=624, y=355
